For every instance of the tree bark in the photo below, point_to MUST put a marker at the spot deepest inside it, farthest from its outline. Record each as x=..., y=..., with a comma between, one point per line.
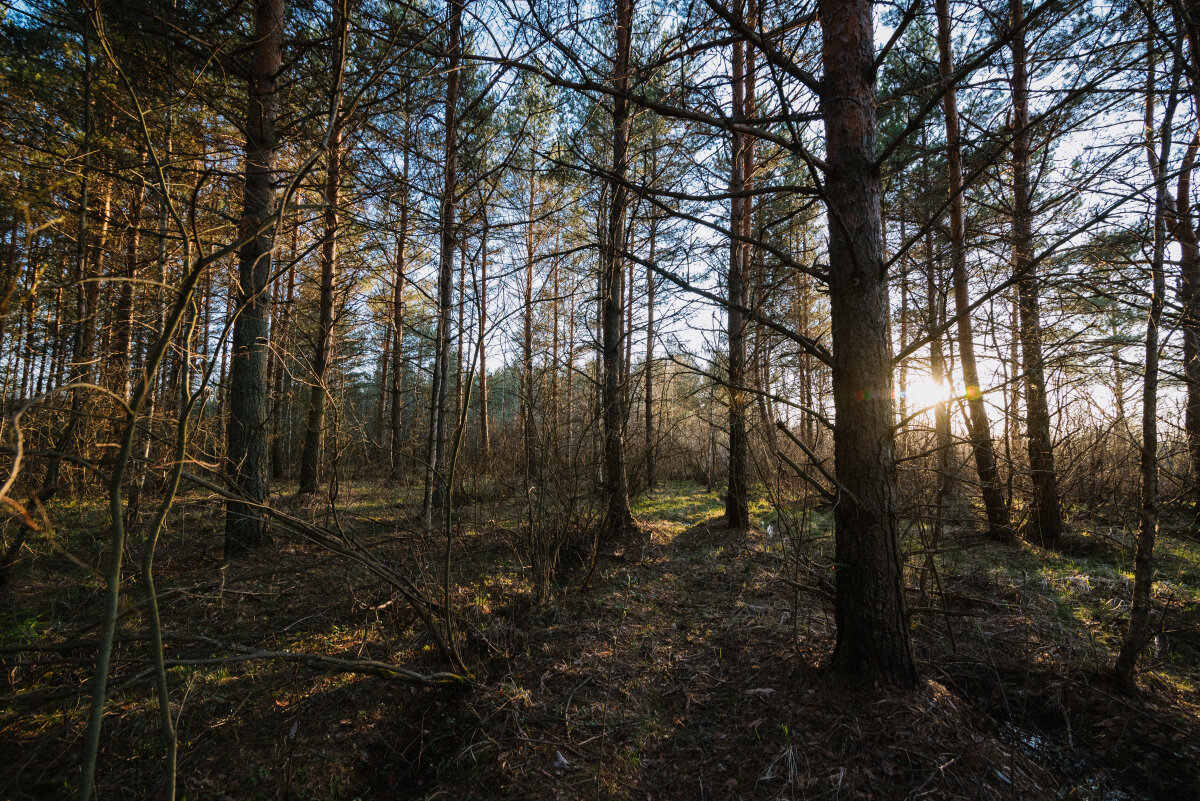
x=485, y=445
x=935, y=316
x=282, y=381
x=980, y=432
x=528, y=433
x=1138, y=631
x=737, y=512
x=618, y=515
x=448, y=235
x=872, y=631
x=310, y=455
x=246, y=453
x=396, y=422
x=1045, y=524
x=651, y=449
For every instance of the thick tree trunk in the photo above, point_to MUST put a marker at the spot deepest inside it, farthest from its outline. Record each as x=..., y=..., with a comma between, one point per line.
x=980, y=432
x=246, y=454
x=1045, y=524
x=872, y=626
x=618, y=516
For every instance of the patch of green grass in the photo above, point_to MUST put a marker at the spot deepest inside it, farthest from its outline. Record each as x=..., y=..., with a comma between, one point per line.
x=20, y=625
x=678, y=502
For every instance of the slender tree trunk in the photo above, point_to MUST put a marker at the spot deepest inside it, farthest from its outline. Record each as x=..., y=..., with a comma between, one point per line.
x=980, y=432
x=120, y=378
x=246, y=454
x=461, y=337
x=485, y=445
x=396, y=424
x=1138, y=631
x=941, y=410
x=651, y=449
x=31, y=355
x=527, y=399
x=310, y=455
x=9, y=276
x=280, y=343
x=436, y=446
x=385, y=376
x=902, y=381
x=1183, y=227
x=628, y=335
x=122, y=340
x=737, y=514
x=872, y=627
x=555, y=435
x=618, y=516
x=1045, y=525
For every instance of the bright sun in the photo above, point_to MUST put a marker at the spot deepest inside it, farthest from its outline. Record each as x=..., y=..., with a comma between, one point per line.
x=922, y=392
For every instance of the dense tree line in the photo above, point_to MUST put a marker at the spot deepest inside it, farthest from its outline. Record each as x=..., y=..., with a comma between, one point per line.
x=930, y=262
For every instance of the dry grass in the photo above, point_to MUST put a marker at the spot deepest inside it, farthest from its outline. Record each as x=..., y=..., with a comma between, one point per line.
x=687, y=669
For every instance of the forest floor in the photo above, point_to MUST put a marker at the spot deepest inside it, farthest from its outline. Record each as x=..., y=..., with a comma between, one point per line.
x=689, y=667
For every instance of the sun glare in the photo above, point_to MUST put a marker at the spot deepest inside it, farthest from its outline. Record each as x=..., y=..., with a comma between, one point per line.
x=922, y=392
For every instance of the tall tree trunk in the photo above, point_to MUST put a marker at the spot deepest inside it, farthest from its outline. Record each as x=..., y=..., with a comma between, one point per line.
x=282, y=380
x=737, y=513
x=872, y=626
x=310, y=455
x=902, y=380
x=556, y=302
x=121, y=343
x=246, y=451
x=1184, y=230
x=1138, y=631
x=1183, y=227
x=980, y=432
x=618, y=517
x=485, y=445
x=31, y=355
x=527, y=399
x=1045, y=525
x=396, y=422
x=385, y=376
x=436, y=445
x=461, y=337
x=935, y=316
x=9, y=275
x=651, y=450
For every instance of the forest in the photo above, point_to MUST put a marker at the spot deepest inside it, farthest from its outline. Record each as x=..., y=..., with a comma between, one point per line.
x=618, y=399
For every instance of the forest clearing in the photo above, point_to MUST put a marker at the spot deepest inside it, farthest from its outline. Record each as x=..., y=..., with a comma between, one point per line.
x=584, y=400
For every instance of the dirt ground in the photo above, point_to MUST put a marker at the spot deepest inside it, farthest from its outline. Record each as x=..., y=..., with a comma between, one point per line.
x=690, y=667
